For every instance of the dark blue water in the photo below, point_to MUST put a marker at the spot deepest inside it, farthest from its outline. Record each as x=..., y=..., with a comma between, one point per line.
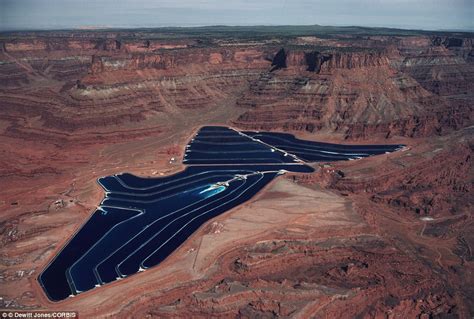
x=252, y=187
x=226, y=146
x=141, y=221
x=81, y=272
x=121, y=182
x=53, y=278
x=106, y=269
x=173, y=188
x=320, y=152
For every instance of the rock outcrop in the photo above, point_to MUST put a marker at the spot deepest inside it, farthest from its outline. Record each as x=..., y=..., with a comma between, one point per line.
x=382, y=85
x=279, y=60
x=390, y=235
x=363, y=93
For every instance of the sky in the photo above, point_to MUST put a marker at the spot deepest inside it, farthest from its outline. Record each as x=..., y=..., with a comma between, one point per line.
x=66, y=14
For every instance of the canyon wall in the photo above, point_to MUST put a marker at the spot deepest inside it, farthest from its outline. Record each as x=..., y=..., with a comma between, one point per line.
x=53, y=88
x=412, y=86
x=390, y=91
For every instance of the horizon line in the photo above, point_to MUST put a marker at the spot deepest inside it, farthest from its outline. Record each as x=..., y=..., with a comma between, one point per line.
x=92, y=28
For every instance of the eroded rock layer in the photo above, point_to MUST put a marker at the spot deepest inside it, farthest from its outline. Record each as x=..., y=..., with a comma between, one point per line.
x=389, y=236
x=393, y=91
x=410, y=86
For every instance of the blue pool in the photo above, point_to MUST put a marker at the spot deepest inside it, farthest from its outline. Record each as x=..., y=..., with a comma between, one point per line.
x=141, y=221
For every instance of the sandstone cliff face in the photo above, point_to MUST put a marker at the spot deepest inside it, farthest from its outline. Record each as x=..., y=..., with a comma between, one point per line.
x=388, y=92
x=390, y=86
x=318, y=62
x=356, y=94
x=440, y=71
x=173, y=59
x=111, y=84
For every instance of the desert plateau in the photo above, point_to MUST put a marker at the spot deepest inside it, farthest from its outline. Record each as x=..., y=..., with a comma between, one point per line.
x=383, y=236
